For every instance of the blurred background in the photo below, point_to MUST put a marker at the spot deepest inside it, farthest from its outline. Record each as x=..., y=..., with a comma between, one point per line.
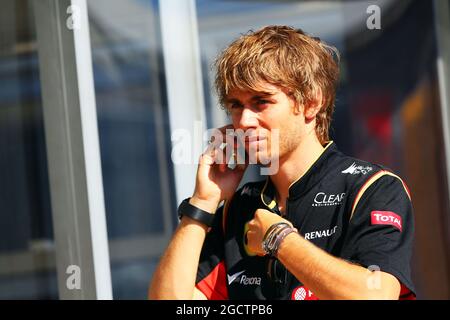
x=91, y=91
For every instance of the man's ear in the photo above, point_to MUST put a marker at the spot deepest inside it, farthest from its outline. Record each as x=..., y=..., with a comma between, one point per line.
x=314, y=105
x=298, y=108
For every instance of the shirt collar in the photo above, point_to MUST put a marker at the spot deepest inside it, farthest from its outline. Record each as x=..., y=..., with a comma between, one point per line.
x=314, y=174
x=303, y=183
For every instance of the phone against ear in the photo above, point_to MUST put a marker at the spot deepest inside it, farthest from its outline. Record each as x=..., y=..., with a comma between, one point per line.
x=238, y=156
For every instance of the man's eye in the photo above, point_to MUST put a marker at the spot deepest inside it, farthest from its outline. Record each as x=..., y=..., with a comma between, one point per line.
x=235, y=106
x=263, y=102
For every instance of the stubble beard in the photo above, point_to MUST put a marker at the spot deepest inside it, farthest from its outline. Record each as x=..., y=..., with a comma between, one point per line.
x=287, y=143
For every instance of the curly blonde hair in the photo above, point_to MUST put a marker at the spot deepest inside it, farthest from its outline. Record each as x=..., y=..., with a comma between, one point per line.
x=285, y=57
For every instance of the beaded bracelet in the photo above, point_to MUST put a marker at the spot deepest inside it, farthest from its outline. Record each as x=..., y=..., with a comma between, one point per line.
x=274, y=236
x=279, y=239
x=270, y=236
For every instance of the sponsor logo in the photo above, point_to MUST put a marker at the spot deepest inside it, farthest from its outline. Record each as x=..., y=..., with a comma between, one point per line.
x=300, y=294
x=322, y=199
x=234, y=276
x=250, y=280
x=386, y=217
x=246, y=191
x=303, y=293
x=243, y=279
x=354, y=169
x=320, y=234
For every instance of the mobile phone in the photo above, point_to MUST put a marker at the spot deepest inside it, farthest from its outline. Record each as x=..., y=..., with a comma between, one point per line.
x=238, y=154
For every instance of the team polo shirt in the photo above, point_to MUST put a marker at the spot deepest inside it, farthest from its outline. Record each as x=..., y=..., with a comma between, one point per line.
x=352, y=209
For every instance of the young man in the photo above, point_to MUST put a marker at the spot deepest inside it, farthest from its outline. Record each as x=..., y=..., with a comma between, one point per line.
x=323, y=226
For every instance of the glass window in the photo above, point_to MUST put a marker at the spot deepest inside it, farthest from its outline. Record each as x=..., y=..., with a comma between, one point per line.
x=134, y=139
x=27, y=255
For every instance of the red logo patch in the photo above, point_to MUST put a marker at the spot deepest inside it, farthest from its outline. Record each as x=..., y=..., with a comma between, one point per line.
x=386, y=217
x=303, y=293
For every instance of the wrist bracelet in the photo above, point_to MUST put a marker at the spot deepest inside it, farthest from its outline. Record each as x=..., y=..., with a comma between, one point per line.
x=270, y=239
x=272, y=228
x=280, y=237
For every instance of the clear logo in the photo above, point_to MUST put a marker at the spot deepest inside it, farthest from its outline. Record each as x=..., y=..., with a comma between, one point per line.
x=322, y=199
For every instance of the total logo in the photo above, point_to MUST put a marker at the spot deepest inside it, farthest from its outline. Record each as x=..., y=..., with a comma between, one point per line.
x=243, y=279
x=386, y=217
x=303, y=293
x=322, y=199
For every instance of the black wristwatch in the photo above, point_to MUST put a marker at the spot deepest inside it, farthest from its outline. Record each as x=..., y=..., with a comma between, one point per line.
x=197, y=214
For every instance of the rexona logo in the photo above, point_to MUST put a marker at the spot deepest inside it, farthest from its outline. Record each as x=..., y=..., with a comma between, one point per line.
x=303, y=293
x=323, y=199
x=354, y=169
x=243, y=279
x=386, y=217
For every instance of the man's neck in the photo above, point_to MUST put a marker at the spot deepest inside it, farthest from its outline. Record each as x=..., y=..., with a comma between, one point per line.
x=294, y=165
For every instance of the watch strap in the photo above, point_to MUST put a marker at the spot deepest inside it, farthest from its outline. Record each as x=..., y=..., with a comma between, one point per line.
x=197, y=214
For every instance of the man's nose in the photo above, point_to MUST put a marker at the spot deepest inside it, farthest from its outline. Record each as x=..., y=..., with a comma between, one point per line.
x=248, y=119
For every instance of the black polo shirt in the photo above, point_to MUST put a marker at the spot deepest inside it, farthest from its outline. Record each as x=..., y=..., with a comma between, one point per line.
x=352, y=209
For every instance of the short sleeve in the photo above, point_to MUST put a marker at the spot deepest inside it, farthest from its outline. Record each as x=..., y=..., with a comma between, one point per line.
x=381, y=231
x=211, y=274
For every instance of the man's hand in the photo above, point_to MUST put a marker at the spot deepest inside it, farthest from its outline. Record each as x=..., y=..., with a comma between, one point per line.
x=215, y=181
x=257, y=228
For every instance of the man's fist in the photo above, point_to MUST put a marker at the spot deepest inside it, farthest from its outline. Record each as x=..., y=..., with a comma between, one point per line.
x=257, y=228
